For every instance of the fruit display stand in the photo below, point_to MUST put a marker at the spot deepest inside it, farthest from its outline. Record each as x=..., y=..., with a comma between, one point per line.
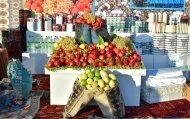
x=61, y=84
x=38, y=59
x=40, y=56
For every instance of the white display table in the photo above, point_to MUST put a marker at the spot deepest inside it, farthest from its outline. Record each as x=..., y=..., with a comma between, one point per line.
x=61, y=84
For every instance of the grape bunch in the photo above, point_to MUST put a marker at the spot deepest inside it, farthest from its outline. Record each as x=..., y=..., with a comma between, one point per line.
x=121, y=43
x=67, y=43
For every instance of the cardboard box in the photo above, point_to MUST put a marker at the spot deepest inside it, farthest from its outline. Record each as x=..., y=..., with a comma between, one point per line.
x=187, y=91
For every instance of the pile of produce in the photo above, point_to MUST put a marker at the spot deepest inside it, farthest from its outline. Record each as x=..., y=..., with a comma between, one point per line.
x=66, y=43
x=82, y=6
x=67, y=54
x=34, y=5
x=91, y=20
x=98, y=79
x=55, y=6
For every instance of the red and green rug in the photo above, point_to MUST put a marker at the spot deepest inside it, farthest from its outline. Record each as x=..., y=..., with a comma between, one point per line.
x=175, y=109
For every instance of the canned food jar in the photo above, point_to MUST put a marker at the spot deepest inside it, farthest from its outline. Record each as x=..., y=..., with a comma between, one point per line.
x=31, y=24
x=59, y=18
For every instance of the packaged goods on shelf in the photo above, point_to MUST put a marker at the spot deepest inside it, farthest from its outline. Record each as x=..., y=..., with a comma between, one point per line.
x=125, y=23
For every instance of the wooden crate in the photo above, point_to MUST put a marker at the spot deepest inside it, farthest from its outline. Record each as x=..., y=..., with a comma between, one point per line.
x=187, y=91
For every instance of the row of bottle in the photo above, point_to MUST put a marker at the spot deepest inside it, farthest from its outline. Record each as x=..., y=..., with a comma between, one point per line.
x=59, y=22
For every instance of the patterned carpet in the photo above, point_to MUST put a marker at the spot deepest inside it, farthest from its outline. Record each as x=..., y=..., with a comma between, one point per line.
x=177, y=108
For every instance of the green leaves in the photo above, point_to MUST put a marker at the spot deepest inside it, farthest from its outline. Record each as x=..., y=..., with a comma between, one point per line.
x=100, y=40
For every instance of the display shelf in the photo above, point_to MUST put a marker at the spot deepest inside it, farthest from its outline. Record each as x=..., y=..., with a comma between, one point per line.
x=61, y=84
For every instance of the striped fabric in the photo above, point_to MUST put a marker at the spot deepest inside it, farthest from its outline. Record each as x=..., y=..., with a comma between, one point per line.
x=3, y=63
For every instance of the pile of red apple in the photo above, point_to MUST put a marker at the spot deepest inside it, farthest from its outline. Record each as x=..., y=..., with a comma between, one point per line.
x=94, y=23
x=95, y=56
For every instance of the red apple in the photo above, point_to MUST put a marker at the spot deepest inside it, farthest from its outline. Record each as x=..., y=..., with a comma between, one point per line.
x=93, y=55
x=54, y=55
x=78, y=56
x=50, y=64
x=131, y=64
x=72, y=63
x=76, y=60
x=111, y=46
x=109, y=55
x=100, y=64
x=85, y=54
x=127, y=48
x=102, y=57
x=102, y=51
x=57, y=63
x=136, y=64
x=84, y=64
x=82, y=59
x=90, y=60
x=117, y=57
x=139, y=58
x=60, y=50
x=95, y=64
x=119, y=63
x=62, y=60
x=123, y=51
x=78, y=63
x=78, y=49
x=53, y=59
x=62, y=54
x=67, y=61
x=121, y=54
x=126, y=62
x=111, y=63
x=67, y=53
x=107, y=49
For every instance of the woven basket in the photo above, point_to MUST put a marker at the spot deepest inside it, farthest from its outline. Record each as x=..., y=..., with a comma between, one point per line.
x=3, y=63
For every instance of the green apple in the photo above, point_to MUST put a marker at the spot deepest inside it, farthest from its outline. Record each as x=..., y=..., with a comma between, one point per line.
x=87, y=71
x=84, y=76
x=82, y=46
x=89, y=86
x=106, y=43
x=83, y=82
x=106, y=79
x=90, y=81
x=96, y=78
x=112, y=76
x=91, y=75
x=101, y=83
x=80, y=77
x=106, y=87
x=112, y=83
x=100, y=89
x=97, y=73
x=94, y=85
x=102, y=46
x=103, y=73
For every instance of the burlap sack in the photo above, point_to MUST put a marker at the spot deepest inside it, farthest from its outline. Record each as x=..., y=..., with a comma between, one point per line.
x=79, y=98
x=111, y=103
x=84, y=31
x=101, y=31
x=89, y=34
